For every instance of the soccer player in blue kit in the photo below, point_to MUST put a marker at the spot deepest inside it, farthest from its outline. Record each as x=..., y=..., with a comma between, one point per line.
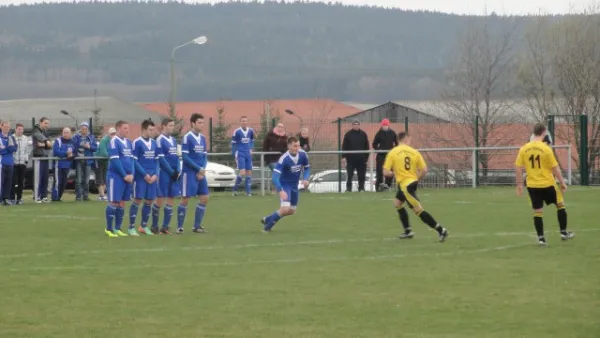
x=168, y=177
x=119, y=179
x=145, y=178
x=193, y=181
x=286, y=177
x=242, y=143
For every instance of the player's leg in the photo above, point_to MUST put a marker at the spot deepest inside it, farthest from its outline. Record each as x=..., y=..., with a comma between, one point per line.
x=410, y=192
x=8, y=175
x=537, y=203
x=189, y=187
x=350, y=173
x=111, y=206
x=55, y=196
x=241, y=166
x=561, y=213
x=124, y=196
x=139, y=190
x=149, y=197
x=403, y=215
x=248, y=181
x=173, y=191
x=161, y=193
x=284, y=210
x=203, y=196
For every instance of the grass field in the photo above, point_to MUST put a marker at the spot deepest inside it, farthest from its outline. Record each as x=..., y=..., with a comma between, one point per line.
x=333, y=270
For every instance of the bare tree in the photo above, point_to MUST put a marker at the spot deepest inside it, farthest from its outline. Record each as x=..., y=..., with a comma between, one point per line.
x=320, y=116
x=478, y=89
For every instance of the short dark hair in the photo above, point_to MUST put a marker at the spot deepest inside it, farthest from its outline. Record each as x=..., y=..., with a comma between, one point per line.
x=147, y=123
x=19, y=125
x=402, y=135
x=44, y=118
x=539, y=129
x=195, y=117
x=120, y=123
x=292, y=139
x=166, y=121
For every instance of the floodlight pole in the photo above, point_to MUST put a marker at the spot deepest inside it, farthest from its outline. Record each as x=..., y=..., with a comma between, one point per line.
x=199, y=41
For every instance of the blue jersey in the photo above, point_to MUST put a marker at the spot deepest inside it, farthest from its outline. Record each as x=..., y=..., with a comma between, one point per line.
x=290, y=168
x=61, y=148
x=121, y=157
x=145, y=155
x=242, y=141
x=167, y=153
x=193, y=151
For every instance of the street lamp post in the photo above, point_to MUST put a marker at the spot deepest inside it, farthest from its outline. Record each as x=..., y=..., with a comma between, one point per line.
x=290, y=112
x=197, y=41
x=66, y=113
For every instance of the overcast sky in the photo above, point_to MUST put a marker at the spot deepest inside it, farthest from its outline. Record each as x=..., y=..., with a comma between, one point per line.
x=453, y=6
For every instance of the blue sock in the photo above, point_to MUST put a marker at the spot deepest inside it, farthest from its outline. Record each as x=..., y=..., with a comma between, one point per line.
x=146, y=214
x=155, y=215
x=133, y=210
x=272, y=219
x=119, y=214
x=180, y=216
x=238, y=180
x=248, y=184
x=110, y=217
x=200, y=210
x=168, y=214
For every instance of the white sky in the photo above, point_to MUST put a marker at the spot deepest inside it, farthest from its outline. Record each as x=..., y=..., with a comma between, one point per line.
x=451, y=6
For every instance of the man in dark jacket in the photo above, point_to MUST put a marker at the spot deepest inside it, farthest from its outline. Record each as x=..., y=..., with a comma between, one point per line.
x=85, y=146
x=275, y=141
x=304, y=140
x=355, y=139
x=41, y=149
x=385, y=139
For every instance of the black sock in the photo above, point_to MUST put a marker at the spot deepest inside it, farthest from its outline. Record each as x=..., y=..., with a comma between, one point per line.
x=538, y=222
x=404, y=219
x=429, y=220
x=562, y=219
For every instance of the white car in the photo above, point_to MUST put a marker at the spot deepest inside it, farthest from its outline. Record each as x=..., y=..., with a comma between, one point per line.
x=328, y=182
x=219, y=176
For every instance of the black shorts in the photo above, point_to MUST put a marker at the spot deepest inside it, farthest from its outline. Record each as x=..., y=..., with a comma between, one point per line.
x=548, y=195
x=101, y=169
x=408, y=194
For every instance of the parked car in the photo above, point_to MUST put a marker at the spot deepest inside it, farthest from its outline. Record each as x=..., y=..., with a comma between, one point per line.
x=219, y=177
x=328, y=182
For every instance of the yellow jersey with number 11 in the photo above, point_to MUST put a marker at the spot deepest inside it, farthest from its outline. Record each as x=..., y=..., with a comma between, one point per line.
x=538, y=160
x=405, y=162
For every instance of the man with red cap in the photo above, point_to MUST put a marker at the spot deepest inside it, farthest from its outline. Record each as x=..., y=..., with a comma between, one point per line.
x=385, y=139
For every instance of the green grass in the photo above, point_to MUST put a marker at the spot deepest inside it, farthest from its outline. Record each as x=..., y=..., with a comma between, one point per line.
x=332, y=270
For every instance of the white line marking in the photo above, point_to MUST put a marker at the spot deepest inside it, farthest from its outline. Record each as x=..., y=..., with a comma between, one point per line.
x=264, y=245
x=277, y=261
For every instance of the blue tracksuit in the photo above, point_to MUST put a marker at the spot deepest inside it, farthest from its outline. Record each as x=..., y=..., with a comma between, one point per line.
x=6, y=164
x=61, y=167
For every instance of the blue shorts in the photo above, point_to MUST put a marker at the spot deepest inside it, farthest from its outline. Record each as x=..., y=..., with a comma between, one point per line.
x=144, y=191
x=191, y=187
x=292, y=196
x=118, y=189
x=166, y=186
x=244, y=161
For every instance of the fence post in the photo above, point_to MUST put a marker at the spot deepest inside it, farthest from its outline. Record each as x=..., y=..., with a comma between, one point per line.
x=474, y=168
x=32, y=123
x=339, y=139
x=406, y=123
x=90, y=122
x=262, y=174
x=210, y=134
x=476, y=162
x=569, y=166
x=551, y=127
x=583, y=155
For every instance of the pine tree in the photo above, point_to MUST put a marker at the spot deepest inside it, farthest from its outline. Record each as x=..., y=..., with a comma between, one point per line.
x=221, y=139
x=178, y=122
x=98, y=124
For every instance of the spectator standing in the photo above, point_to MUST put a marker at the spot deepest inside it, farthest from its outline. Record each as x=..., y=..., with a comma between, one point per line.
x=275, y=141
x=385, y=139
x=20, y=167
x=304, y=141
x=63, y=148
x=41, y=149
x=102, y=165
x=8, y=146
x=86, y=146
x=354, y=140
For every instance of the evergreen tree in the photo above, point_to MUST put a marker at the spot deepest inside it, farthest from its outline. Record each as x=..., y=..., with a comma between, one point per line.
x=98, y=124
x=179, y=122
x=221, y=138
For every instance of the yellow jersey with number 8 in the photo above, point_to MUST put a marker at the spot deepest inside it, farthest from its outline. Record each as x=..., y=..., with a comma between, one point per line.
x=405, y=162
x=538, y=160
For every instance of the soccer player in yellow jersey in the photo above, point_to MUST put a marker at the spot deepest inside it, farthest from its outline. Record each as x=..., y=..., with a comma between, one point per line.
x=542, y=172
x=408, y=166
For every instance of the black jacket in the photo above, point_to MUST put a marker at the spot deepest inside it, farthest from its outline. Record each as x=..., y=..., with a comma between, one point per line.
x=304, y=143
x=355, y=140
x=39, y=135
x=272, y=143
x=385, y=140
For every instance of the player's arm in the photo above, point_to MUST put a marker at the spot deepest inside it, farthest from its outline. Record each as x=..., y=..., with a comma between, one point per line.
x=185, y=154
x=388, y=165
x=277, y=175
x=519, y=164
x=553, y=163
x=204, y=158
x=113, y=155
x=422, y=169
x=162, y=161
x=136, y=163
x=233, y=144
x=251, y=139
x=306, y=173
